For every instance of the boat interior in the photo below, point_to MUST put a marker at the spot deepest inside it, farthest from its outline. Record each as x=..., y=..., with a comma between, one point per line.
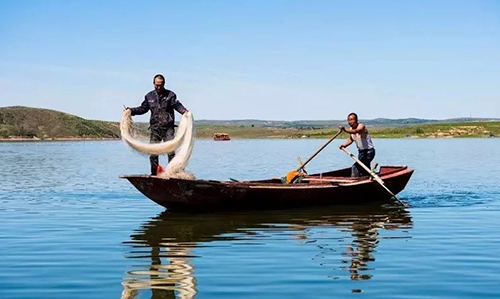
x=341, y=176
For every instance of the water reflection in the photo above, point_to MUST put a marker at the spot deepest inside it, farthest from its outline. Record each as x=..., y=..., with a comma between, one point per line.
x=167, y=242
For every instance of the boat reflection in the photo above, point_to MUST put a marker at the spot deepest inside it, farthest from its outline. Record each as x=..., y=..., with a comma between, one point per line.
x=167, y=242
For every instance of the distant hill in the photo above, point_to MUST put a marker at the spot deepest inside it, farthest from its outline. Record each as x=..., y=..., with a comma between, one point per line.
x=25, y=122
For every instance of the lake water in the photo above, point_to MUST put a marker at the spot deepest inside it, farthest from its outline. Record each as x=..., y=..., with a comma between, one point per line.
x=70, y=228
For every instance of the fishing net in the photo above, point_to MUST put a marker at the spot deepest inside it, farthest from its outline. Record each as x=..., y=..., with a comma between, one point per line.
x=182, y=145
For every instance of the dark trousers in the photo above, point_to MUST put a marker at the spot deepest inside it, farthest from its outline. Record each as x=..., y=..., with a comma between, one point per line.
x=366, y=157
x=159, y=134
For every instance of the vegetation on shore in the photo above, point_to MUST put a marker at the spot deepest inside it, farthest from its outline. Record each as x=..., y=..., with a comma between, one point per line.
x=433, y=130
x=441, y=130
x=44, y=124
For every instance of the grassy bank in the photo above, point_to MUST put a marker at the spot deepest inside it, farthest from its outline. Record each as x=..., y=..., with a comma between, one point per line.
x=453, y=130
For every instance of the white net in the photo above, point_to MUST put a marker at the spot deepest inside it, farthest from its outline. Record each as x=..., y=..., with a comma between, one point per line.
x=182, y=145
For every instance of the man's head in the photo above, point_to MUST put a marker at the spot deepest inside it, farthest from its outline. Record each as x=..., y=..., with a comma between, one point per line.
x=159, y=82
x=352, y=119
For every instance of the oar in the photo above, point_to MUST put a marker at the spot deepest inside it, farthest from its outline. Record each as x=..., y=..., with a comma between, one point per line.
x=319, y=150
x=292, y=174
x=373, y=174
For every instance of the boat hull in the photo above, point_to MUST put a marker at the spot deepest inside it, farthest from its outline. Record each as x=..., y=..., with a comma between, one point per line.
x=327, y=189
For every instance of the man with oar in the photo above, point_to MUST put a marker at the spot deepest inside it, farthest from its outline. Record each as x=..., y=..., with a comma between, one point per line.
x=366, y=150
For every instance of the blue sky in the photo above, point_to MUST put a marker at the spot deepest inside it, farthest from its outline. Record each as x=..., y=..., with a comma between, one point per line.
x=276, y=60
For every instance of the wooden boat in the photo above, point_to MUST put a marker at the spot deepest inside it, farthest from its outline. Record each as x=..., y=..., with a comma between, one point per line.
x=221, y=137
x=334, y=187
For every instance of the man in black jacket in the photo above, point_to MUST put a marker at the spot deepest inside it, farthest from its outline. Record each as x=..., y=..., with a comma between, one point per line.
x=161, y=102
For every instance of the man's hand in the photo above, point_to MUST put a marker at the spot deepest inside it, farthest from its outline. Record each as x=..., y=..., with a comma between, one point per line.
x=342, y=146
x=342, y=128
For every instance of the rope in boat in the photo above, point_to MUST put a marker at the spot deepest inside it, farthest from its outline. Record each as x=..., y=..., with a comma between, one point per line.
x=182, y=145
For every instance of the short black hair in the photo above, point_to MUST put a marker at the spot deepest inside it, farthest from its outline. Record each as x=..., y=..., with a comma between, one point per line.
x=355, y=115
x=159, y=76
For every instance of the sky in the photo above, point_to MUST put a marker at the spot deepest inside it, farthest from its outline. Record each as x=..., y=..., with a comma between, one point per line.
x=271, y=60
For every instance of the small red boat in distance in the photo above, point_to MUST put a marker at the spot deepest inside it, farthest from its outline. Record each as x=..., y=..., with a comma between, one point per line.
x=221, y=137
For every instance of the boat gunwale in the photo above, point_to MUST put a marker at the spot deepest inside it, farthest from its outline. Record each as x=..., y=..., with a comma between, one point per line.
x=331, y=183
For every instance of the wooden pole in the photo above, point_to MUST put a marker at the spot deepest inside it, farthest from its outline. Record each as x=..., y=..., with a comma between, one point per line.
x=317, y=152
x=373, y=174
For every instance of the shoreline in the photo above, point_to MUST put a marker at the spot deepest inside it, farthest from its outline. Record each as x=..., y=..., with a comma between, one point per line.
x=33, y=124
x=25, y=139
x=20, y=139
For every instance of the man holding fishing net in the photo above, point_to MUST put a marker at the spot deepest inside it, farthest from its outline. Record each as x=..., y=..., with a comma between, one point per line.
x=161, y=102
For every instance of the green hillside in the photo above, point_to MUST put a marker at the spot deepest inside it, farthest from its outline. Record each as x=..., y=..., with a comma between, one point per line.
x=25, y=122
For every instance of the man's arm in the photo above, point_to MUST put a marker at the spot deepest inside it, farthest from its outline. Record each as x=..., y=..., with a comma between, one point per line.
x=141, y=109
x=178, y=105
x=359, y=129
x=348, y=142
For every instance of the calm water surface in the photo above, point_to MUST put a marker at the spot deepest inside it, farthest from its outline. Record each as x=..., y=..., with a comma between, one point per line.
x=71, y=229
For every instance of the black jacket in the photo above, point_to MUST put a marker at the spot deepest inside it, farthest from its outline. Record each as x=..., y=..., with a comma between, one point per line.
x=162, y=108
